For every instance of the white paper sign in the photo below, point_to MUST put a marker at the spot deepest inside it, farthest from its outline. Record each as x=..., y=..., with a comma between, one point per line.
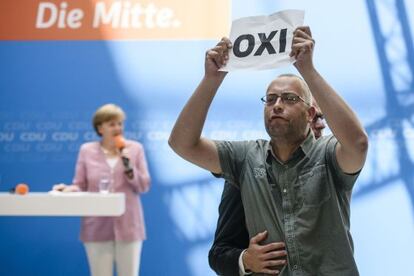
x=263, y=42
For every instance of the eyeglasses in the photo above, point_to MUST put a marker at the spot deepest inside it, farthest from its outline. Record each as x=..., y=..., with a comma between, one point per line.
x=287, y=98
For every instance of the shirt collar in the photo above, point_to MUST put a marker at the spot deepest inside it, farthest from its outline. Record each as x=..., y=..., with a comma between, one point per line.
x=308, y=143
x=305, y=147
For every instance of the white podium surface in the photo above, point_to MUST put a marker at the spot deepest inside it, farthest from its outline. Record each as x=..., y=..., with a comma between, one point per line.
x=62, y=204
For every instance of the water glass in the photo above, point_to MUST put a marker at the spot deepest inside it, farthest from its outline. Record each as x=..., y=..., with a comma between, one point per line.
x=104, y=184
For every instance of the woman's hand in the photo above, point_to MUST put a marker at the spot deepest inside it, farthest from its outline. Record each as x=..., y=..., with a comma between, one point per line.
x=61, y=187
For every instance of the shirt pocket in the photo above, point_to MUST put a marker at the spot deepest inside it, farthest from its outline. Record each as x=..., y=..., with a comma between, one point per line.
x=312, y=187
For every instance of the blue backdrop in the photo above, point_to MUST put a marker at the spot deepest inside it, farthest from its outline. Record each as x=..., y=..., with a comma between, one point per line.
x=49, y=91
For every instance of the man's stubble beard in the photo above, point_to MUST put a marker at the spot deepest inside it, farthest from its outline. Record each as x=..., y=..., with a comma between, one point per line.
x=288, y=132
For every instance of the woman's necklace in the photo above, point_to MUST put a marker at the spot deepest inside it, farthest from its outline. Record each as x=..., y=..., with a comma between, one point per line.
x=110, y=153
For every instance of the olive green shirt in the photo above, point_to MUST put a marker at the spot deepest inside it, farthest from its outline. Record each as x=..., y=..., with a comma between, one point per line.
x=304, y=202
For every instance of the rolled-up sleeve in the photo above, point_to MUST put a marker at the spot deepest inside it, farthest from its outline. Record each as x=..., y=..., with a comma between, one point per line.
x=232, y=157
x=343, y=180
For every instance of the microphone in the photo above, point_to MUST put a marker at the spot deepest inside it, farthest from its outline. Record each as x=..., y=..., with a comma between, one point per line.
x=120, y=144
x=20, y=189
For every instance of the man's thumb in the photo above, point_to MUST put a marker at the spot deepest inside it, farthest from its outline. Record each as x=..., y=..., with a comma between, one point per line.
x=259, y=237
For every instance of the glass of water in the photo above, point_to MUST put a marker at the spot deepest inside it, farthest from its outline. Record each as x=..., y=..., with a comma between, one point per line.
x=104, y=184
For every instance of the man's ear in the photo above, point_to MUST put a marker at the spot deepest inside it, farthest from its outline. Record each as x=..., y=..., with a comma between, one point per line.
x=311, y=113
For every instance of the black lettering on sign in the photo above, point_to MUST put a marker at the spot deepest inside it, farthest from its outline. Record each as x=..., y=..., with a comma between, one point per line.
x=266, y=44
x=282, y=40
x=250, y=45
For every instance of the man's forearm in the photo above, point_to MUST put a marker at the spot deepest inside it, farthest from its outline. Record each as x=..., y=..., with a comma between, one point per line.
x=341, y=119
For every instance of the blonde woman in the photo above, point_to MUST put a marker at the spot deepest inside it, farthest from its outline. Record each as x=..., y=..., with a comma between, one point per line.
x=112, y=240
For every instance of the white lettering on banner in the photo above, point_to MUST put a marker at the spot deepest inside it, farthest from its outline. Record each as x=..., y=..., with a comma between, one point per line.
x=61, y=16
x=33, y=136
x=158, y=135
x=6, y=136
x=118, y=14
x=78, y=125
x=105, y=17
x=49, y=147
x=133, y=135
x=48, y=126
x=90, y=135
x=65, y=136
x=16, y=147
x=163, y=124
x=16, y=126
x=262, y=42
x=121, y=14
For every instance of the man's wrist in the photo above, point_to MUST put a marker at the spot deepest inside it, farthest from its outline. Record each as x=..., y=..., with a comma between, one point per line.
x=309, y=72
x=217, y=79
x=242, y=266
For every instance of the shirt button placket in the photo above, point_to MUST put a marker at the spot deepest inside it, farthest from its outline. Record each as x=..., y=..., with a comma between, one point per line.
x=289, y=220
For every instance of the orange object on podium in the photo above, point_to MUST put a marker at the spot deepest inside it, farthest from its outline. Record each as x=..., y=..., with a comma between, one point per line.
x=21, y=189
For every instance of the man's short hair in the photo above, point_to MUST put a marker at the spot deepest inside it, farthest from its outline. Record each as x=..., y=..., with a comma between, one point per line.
x=107, y=113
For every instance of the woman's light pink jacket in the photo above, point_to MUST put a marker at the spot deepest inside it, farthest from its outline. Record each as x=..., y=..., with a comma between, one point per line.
x=90, y=168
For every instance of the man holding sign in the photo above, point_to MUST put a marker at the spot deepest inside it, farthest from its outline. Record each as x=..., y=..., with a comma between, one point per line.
x=295, y=187
x=232, y=253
